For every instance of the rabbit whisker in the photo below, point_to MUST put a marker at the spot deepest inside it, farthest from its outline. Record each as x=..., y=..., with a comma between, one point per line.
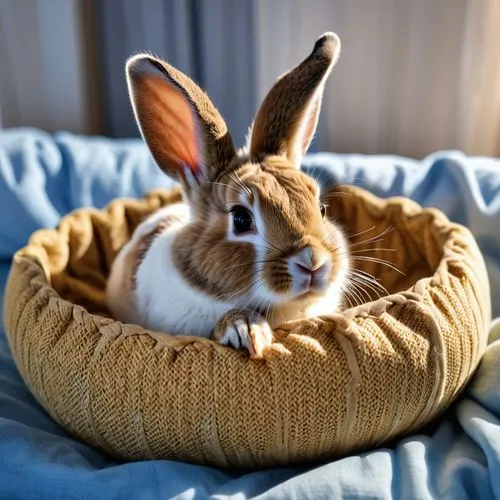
x=237, y=180
x=361, y=282
x=358, y=286
x=373, y=239
x=247, y=264
x=368, y=278
x=239, y=191
x=353, y=293
x=272, y=245
x=377, y=249
x=378, y=261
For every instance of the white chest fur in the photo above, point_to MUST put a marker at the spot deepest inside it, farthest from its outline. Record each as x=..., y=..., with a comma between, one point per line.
x=165, y=301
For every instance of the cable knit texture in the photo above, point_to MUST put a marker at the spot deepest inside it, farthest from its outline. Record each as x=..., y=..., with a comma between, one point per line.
x=327, y=386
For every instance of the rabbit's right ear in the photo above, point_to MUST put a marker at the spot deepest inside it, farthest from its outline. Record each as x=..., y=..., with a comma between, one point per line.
x=287, y=119
x=184, y=131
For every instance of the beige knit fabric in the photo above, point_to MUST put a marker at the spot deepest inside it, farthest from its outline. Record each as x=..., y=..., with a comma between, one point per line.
x=327, y=387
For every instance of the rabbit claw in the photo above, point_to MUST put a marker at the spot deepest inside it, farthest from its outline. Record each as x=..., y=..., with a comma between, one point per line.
x=244, y=329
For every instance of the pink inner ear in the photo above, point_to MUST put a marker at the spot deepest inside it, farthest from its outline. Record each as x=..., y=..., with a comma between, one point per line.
x=311, y=122
x=168, y=124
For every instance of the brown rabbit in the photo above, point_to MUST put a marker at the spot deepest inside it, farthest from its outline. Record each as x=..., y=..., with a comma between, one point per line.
x=251, y=246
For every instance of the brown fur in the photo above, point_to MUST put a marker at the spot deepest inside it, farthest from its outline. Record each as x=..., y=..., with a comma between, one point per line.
x=134, y=258
x=209, y=263
x=174, y=114
x=146, y=241
x=289, y=205
x=278, y=120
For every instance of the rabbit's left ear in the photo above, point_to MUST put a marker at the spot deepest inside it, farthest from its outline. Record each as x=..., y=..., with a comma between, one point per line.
x=287, y=119
x=184, y=131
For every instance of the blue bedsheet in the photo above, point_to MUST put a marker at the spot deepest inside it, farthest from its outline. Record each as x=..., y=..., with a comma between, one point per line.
x=43, y=177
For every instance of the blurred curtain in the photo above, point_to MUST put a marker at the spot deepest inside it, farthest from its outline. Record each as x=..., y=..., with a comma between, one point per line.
x=44, y=60
x=415, y=76
x=212, y=41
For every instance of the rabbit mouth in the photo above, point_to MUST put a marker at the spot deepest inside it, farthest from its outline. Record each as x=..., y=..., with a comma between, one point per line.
x=309, y=277
x=311, y=288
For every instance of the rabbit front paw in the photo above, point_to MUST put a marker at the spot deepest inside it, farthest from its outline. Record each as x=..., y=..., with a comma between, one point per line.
x=244, y=329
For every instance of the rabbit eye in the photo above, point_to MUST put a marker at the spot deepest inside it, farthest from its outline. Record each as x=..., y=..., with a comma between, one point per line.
x=322, y=208
x=242, y=220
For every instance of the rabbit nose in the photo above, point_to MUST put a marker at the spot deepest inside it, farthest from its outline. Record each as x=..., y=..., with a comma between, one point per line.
x=309, y=269
x=310, y=263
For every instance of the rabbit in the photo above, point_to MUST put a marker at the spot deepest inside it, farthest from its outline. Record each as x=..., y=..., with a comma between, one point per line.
x=250, y=246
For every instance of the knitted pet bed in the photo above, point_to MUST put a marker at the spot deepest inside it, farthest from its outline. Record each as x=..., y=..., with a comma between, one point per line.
x=327, y=386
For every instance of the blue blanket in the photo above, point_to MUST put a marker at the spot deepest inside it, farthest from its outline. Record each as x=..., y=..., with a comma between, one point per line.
x=43, y=177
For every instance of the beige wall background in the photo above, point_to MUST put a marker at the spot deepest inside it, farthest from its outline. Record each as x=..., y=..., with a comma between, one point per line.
x=415, y=76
